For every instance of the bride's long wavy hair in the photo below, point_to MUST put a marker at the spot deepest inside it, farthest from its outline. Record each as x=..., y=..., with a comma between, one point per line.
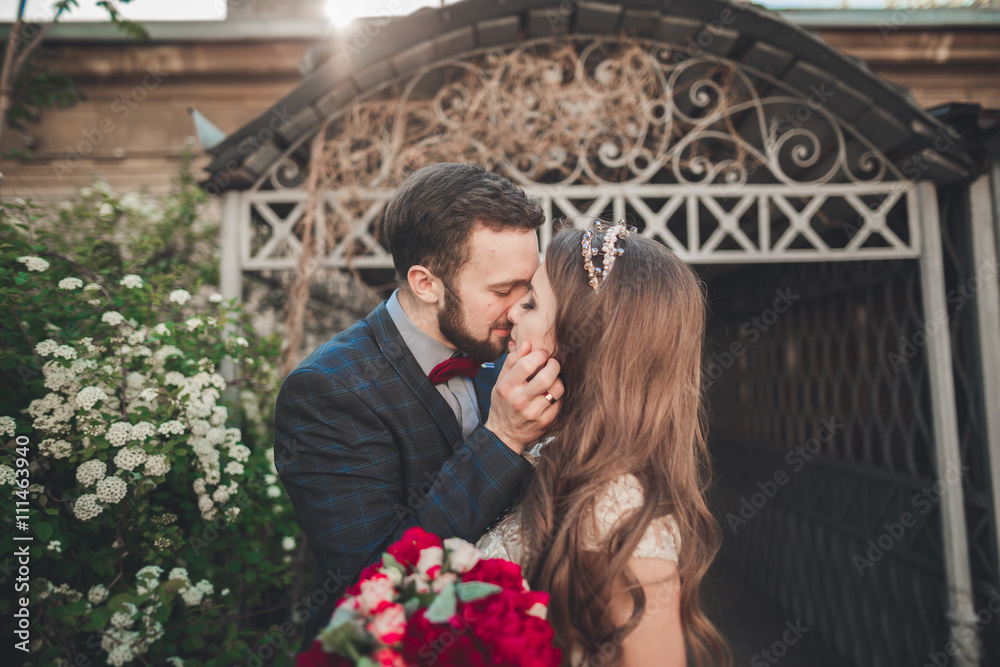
x=631, y=364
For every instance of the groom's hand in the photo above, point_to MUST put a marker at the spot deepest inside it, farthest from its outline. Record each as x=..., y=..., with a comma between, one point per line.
x=520, y=411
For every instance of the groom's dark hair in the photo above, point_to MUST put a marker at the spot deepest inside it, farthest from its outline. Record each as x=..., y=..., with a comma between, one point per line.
x=430, y=217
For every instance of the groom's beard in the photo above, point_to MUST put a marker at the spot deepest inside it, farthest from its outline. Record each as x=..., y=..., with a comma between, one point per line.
x=451, y=321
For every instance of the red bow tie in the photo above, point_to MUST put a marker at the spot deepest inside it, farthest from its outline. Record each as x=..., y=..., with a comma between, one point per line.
x=449, y=368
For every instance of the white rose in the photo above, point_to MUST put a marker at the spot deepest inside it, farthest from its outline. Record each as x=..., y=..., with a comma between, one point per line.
x=430, y=557
x=462, y=556
x=375, y=591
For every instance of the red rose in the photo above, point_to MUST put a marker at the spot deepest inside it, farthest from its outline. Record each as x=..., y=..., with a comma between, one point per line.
x=366, y=574
x=451, y=644
x=497, y=571
x=515, y=638
x=407, y=549
x=386, y=657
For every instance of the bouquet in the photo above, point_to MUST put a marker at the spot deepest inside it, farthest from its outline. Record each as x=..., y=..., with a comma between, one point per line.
x=428, y=602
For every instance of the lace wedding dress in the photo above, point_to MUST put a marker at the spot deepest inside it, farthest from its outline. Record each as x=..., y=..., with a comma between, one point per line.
x=616, y=503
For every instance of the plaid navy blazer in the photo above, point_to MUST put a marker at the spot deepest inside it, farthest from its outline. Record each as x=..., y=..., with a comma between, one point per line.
x=367, y=447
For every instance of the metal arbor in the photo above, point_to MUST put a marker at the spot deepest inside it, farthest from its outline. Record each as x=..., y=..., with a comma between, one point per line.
x=738, y=153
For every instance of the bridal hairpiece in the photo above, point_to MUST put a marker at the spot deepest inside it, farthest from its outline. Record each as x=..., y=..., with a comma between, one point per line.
x=608, y=248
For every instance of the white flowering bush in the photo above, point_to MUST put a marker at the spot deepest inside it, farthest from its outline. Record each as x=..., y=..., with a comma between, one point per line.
x=151, y=497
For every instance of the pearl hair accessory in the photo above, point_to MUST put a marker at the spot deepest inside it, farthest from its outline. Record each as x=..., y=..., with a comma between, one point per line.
x=608, y=248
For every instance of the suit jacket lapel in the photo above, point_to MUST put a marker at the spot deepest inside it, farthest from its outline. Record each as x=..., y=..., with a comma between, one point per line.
x=401, y=359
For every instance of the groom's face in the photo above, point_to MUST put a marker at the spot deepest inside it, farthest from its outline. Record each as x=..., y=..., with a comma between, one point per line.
x=474, y=316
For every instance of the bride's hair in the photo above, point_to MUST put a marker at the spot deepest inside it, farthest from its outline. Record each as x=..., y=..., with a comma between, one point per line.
x=631, y=364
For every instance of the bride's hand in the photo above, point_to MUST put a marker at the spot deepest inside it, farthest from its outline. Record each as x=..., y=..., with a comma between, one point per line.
x=525, y=398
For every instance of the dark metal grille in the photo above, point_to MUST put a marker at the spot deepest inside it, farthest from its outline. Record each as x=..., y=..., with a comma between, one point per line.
x=821, y=424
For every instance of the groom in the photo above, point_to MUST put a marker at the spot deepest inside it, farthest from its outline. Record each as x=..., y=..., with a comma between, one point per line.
x=401, y=420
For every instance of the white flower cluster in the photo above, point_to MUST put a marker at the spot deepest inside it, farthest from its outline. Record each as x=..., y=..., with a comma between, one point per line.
x=50, y=348
x=142, y=431
x=98, y=594
x=34, y=263
x=160, y=357
x=148, y=578
x=122, y=643
x=8, y=427
x=57, y=449
x=122, y=619
x=131, y=281
x=239, y=453
x=65, y=591
x=130, y=458
x=193, y=594
x=180, y=296
x=112, y=489
x=112, y=317
x=174, y=379
x=90, y=472
x=172, y=427
x=60, y=378
x=288, y=543
x=52, y=413
x=118, y=643
x=193, y=323
x=55, y=545
x=87, y=507
x=70, y=283
x=119, y=433
x=7, y=475
x=156, y=465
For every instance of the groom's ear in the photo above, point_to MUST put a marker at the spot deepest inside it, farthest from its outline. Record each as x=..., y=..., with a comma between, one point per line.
x=425, y=285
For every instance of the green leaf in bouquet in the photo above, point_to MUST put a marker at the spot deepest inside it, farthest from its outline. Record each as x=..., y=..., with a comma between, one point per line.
x=475, y=590
x=443, y=607
x=388, y=560
x=365, y=661
x=342, y=634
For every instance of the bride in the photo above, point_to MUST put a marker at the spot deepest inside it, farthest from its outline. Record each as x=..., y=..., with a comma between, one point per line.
x=614, y=525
